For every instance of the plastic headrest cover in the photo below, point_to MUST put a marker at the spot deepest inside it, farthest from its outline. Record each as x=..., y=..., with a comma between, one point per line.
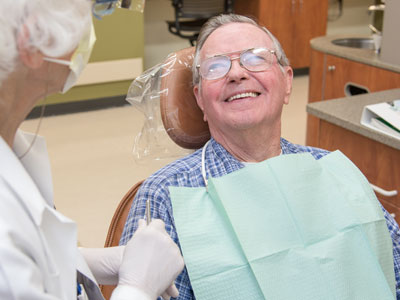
x=181, y=116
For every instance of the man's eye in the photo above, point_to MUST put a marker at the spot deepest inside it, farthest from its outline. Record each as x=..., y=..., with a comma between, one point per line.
x=254, y=60
x=216, y=66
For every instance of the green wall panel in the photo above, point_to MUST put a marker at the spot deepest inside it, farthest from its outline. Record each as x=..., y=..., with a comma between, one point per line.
x=119, y=36
x=93, y=91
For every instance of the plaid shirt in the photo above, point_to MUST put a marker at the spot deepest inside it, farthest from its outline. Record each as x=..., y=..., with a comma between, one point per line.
x=186, y=172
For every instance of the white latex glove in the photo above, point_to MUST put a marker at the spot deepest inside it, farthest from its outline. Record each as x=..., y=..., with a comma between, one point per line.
x=104, y=263
x=151, y=262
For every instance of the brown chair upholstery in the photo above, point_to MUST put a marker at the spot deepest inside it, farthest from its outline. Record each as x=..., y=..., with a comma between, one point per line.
x=181, y=116
x=183, y=121
x=116, y=228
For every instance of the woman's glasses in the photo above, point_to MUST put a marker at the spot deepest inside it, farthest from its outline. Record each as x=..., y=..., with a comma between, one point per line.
x=102, y=8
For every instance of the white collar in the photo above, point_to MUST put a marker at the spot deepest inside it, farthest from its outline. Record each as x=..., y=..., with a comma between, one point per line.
x=247, y=163
x=203, y=162
x=35, y=162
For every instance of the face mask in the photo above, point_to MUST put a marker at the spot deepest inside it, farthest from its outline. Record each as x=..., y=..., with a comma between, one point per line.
x=78, y=60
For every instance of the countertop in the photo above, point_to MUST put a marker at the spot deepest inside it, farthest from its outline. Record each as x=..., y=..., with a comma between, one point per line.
x=346, y=113
x=369, y=57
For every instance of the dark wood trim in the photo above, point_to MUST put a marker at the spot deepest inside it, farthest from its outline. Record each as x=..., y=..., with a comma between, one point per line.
x=78, y=106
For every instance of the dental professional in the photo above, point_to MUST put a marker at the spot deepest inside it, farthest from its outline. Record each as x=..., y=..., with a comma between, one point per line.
x=44, y=44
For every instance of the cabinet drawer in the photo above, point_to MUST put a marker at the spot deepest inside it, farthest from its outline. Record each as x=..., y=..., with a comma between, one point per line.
x=378, y=162
x=340, y=72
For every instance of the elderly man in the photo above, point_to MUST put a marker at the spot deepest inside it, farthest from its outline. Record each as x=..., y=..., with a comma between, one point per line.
x=241, y=82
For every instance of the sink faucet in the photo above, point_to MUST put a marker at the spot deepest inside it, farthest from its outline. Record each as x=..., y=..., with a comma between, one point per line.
x=376, y=24
x=379, y=7
x=372, y=9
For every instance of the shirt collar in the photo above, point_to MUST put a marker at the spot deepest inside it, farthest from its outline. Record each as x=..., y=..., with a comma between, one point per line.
x=229, y=160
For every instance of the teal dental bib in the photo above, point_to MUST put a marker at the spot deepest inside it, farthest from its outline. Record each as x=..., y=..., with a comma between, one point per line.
x=290, y=227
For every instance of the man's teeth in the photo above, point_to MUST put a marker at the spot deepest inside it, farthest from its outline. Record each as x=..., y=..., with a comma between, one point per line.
x=243, y=95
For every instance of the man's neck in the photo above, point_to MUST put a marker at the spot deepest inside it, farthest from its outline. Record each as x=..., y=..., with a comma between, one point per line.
x=251, y=145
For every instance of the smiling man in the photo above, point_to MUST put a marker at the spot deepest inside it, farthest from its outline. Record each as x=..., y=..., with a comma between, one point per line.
x=243, y=89
x=241, y=79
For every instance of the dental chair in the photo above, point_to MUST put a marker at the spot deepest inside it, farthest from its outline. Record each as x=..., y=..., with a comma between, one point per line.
x=190, y=16
x=181, y=117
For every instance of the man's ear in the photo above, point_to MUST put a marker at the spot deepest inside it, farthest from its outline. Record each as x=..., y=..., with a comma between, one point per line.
x=288, y=83
x=199, y=100
x=30, y=56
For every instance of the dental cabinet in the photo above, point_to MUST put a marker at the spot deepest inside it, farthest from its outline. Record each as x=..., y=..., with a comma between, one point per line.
x=339, y=71
x=377, y=155
x=293, y=22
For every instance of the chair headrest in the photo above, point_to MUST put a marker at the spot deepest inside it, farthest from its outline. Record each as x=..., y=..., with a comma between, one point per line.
x=181, y=116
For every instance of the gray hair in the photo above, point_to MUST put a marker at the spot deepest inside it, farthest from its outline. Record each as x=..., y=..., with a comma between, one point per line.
x=55, y=28
x=214, y=23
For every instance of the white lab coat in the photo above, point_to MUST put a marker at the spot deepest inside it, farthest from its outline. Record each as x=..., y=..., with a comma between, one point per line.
x=38, y=245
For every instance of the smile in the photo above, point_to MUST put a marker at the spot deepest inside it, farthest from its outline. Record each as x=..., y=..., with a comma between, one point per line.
x=242, y=95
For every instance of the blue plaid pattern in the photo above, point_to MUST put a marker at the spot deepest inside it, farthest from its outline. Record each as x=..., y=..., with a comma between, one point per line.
x=186, y=172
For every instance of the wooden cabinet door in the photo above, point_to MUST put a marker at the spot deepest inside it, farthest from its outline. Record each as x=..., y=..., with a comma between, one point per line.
x=378, y=162
x=315, y=93
x=331, y=75
x=279, y=18
x=341, y=73
x=310, y=22
x=316, y=80
x=293, y=22
x=338, y=72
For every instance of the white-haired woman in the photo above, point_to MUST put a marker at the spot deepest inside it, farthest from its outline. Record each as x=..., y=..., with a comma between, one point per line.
x=44, y=44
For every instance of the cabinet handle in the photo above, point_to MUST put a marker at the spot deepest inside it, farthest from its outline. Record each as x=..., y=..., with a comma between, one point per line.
x=331, y=68
x=301, y=5
x=383, y=192
x=293, y=6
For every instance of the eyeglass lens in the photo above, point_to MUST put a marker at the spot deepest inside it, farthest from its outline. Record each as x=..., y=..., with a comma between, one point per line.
x=102, y=8
x=255, y=60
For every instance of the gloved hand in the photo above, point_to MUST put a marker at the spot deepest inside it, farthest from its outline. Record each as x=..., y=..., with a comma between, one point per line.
x=104, y=263
x=151, y=262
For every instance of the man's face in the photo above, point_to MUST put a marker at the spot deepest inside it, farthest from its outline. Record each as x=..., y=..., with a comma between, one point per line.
x=260, y=95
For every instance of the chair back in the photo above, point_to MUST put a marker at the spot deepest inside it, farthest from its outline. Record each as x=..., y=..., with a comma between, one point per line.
x=181, y=116
x=190, y=15
x=199, y=9
x=116, y=227
x=183, y=121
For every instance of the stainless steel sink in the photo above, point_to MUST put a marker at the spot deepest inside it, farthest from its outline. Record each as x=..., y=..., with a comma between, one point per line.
x=362, y=43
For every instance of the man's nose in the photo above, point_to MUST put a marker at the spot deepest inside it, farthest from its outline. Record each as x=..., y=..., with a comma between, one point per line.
x=237, y=71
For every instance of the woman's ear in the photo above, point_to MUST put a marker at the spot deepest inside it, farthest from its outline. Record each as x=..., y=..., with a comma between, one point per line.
x=30, y=56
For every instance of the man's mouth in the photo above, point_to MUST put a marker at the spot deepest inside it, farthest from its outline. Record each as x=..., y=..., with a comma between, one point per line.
x=242, y=95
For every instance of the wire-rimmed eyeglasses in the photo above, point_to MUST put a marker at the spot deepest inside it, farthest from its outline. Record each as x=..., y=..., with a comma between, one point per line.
x=254, y=60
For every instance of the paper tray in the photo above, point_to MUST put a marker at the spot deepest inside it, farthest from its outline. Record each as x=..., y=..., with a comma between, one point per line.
x=383, y=117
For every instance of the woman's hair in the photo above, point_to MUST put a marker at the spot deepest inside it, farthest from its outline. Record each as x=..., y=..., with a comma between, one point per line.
x=54, y=27
x=214, y=23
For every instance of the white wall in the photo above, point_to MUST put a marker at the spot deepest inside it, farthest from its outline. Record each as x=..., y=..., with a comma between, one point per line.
x=354, y=20
x=158, y=41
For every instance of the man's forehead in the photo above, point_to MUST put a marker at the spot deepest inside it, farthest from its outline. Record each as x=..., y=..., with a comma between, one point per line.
x=235, y=37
